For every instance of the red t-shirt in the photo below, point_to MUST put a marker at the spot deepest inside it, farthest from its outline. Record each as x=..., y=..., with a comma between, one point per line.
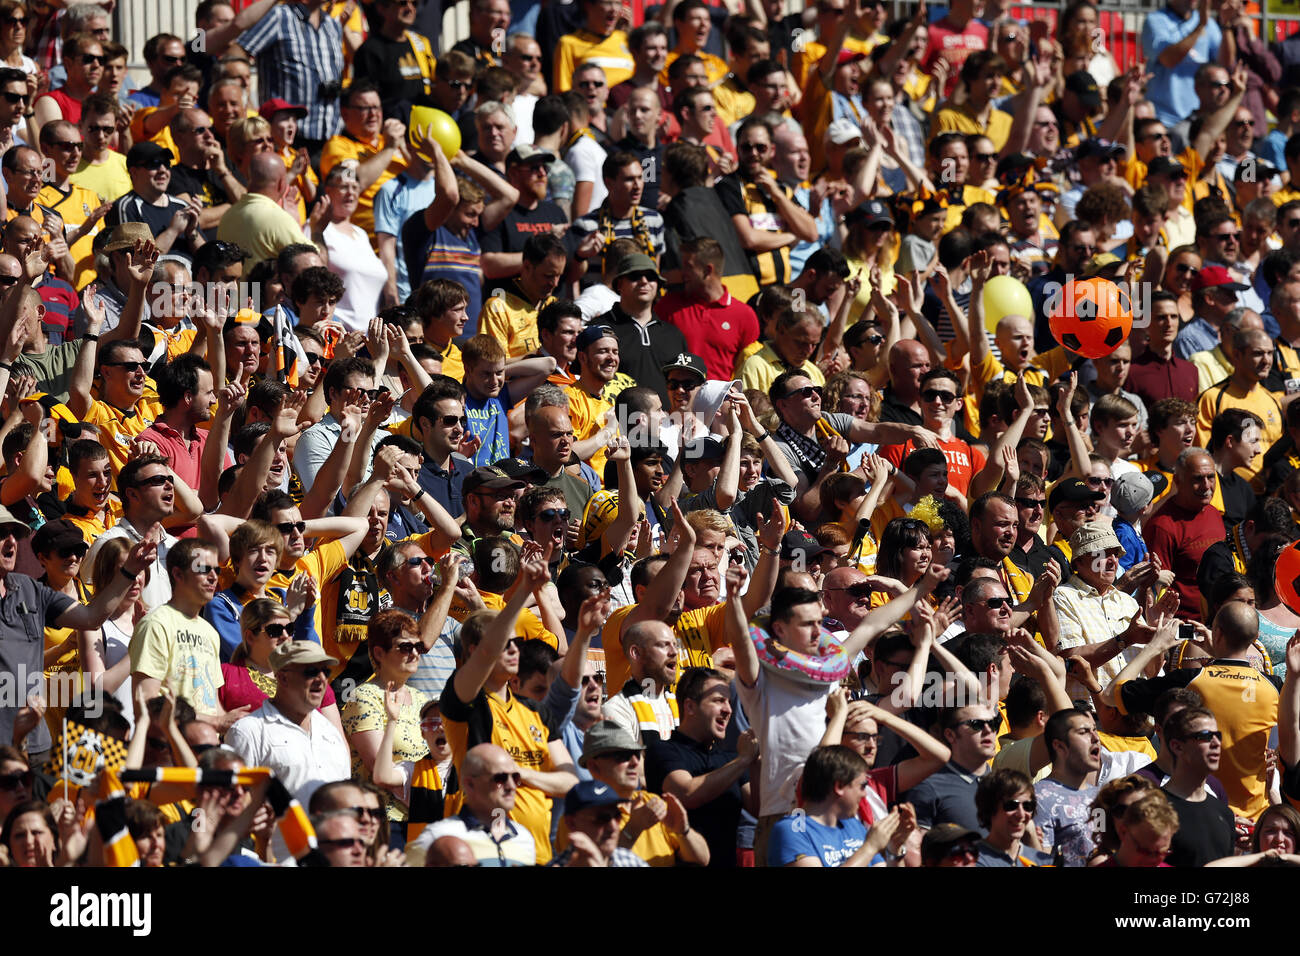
x=716, y=331
x=964, y=462
x=957, y=44
x=1180, y=537
x=68, y=107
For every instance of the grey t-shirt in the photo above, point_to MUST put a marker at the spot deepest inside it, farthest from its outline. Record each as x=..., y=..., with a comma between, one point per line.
x=838, y=421
x=52, y=368
x=26, y=609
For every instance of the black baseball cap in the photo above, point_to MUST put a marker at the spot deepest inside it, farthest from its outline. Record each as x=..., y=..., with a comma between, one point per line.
x=1072, y=489
x=146, y=154
x=1084, y=85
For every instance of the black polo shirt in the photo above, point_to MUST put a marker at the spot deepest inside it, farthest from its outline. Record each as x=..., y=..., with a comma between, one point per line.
x=894, y=409
x=717, y=819
x=643, y=350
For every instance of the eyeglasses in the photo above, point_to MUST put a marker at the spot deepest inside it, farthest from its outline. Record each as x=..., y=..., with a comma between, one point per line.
x=550, y=514
x=155, y=481
x=860, y=735
x=16, y=21
x=374, y=393
x=90, y=59
x=1011, y=806
x=289, y=527
x=451, y=421
x=589, y=679
x=1101, y=482
x=1203, y=736
x=1244, y=123
x=374, y=813
x=985, y=157
x=1156, y=136
x=808, y=391
x=171, y=59
x=754, y=147
x=589, y=84
x=1046, y=124
x=500, y=779
x=962, y=849
x=419, y=561
x=101, y=130
x=73, y=551
x=128, y=366
x=1032, y=502
x=409, y=647
x=275, y=630
x=980, y=725
x=996, y=603
x=1183, y=268
x=311, y=673
x=342, y=843
x=936, y=395
x=682, y=384
x=12, y=781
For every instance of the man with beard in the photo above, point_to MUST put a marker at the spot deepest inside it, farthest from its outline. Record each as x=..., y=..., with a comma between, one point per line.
x=645, y=706
x=597, y=365
x=764, y=212
x=490, y=500
x=533, y=215
x=185, y=391
x=696, y=766
x=1064, y=796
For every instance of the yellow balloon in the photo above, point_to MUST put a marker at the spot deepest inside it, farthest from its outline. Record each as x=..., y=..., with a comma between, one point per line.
x=428, y=126
x=1004, y=296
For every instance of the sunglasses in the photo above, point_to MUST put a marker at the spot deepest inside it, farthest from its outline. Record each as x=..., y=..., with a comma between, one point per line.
x=961, y=849
x=1204, y=736
x=1225, y=236
x=67, y=144
x=997, y=603
x=12, y=781
x=985, y=157
x=808, y=391
x=156, y=481
x=500, y=779
x=1101, y=482
x=1183, y=268
x=89, y=59
x=1292, y=223
x=289, y=527
x=590, y=84
x=205, y=569
x=460, y=84
x=275, y=630
x=374, y=813
x=171, y=59
x=342, y=843
x=128, y=366
x=419, y=561
x=621, y=756
x=980, y=725
x=682, y=384
x=935, y=395
x=14, y=98
x=409, y=647
x=550, y=514
x=101, y=130
x=1030, y=806
x=314, y=359
x=1032, y=502
x=72, y=551
x=311, y=673
x=860, y=735
x=374, y=393
x=451, y=421
x=16, y=21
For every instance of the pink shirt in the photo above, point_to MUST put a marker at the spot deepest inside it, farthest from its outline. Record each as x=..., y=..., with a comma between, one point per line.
x=955, y=44
x=185, y=455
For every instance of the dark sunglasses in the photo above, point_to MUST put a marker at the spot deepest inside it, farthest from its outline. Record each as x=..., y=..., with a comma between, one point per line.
x=289, y=527
x=156, y=481
x=460, y=84
x=997, y=603
x=1292, y=223
x=979, y=725
x=962, y=849
x=314, y=359
x=808, y=391
x=374, y=393
x=342, y=843
x=1032, y=502
x=12, y=781
x=1225, y=236
x=985, y=157
x=1184, y=267
x=67, y=144
x=550, y=514
x=311, y=673
x=1101, y=482
x=1204, y=736
x=935, y=395
x=419, y=561
x=202, y=569
x=500, y=779
x=16, y=21
x=128, y=366
x=374, y=813
x=451, y=421
x=73, y=551
x=682, y=384
x=89, y=59
x=409, y=647
x=14, y=98
x=275, y=630
x=1011, y=806
x=621, y=756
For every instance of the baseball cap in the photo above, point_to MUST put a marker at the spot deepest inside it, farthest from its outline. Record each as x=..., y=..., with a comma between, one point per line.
x=937, y=840
x=704, y=449
x=299, y=652
x=1098, y=146
x=1084, y=85
x=603, y=737
x=1092, y=538
x=146, y=154
x=592, y=334
x=489, y=477
x=870, y=212
x=525, y=153
x=1164, y=166
x=1072, y=489
x=800, y=541
x=521, y=470
x=588, y=794
x=843, y=131
x=636, y=263
x=1216, y=277
x=849, y=56
x=689, y=362
x=54, y=536
x=1260, y=172
x=126, y=234
x=277, y=105
x=1131, y=492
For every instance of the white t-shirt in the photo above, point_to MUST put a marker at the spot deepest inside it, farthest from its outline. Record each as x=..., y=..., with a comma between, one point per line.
x=789, y=718
x=362, y=272
x=595, y=301
x=522, y=107
x=585, y=159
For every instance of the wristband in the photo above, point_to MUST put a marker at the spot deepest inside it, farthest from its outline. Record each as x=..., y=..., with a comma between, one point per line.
x=6, y=366
x=763, y=437
x=774, y=552
x=90, y=337
x=127, y=574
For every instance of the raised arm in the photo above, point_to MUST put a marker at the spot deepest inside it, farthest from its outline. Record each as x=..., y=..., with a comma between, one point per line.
x=504, y=195
x=661, y=593
x=1288, y=707
x=891, y=612
x=473, y=674
x=214, y=449
x=252, y=477
x=447, y=195
x=736, y=627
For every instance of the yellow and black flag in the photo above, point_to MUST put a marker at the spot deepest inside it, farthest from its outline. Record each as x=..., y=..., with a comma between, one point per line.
x=82, y=753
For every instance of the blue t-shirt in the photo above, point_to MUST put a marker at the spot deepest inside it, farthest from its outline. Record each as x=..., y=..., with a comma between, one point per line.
x=397, y=200
x=487, y=423
x=1135, y=549
x=799, y=835
x=1173, y=91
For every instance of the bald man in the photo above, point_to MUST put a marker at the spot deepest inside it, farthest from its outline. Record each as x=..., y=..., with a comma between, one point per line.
x=847, y=598
x=201, y=173
x=645, y=706
x=489, y=778
x=550, y=434
x=1186, y=525
x=909, y=360
x=450, y=851
x=257, y=222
